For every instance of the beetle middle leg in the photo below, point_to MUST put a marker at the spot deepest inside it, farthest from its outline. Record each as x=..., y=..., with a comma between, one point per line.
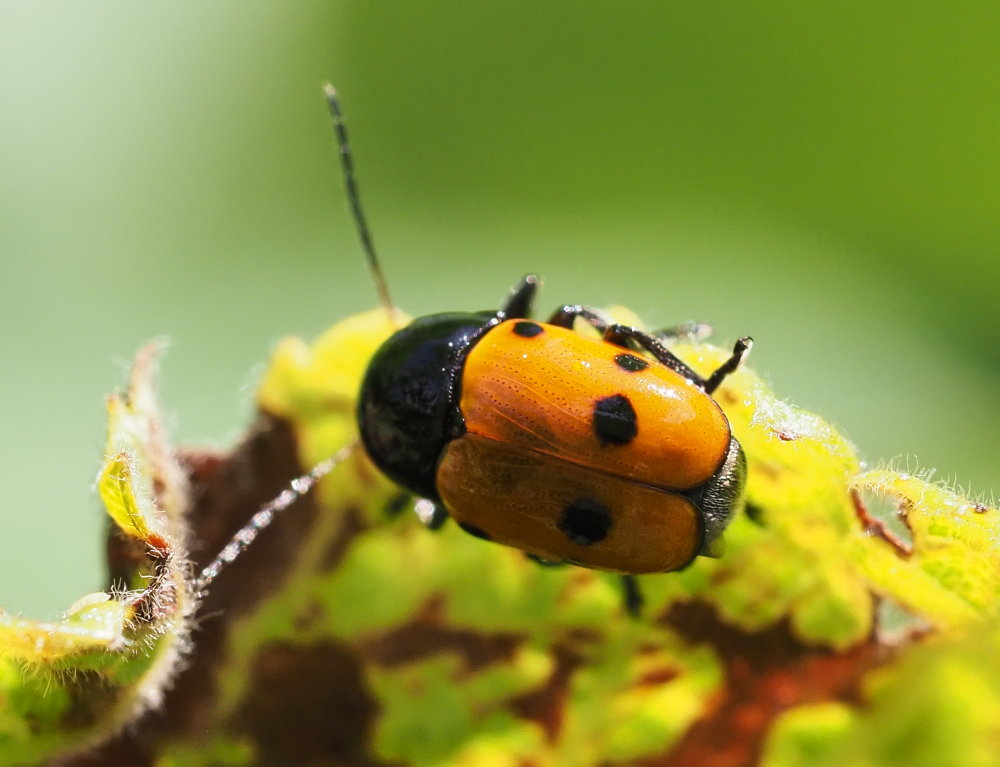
x=433, y=515
x=620, y=334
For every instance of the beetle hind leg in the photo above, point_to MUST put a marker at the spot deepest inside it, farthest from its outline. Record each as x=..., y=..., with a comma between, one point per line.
x=632, y=596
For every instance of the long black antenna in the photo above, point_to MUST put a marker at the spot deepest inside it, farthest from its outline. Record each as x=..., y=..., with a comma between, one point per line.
x=351, y=185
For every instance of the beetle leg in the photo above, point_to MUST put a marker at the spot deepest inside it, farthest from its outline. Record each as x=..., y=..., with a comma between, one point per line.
x=618, y=335
x=739, y=352
x=518, y=304
x=621, y=334
x=633, y=596
x=565, y=316
x=432, y=514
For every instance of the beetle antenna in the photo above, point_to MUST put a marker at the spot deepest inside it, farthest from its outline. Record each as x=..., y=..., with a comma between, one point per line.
x=246, y=535
x=354, y=197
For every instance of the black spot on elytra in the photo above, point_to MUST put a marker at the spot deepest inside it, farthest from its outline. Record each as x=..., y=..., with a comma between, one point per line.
x=585, y=522
x=615, y=422
x=473, y=530
x=527, y=329
x=631, y=363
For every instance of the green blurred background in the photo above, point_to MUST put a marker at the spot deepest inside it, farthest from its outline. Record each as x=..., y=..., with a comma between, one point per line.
x=825, y=177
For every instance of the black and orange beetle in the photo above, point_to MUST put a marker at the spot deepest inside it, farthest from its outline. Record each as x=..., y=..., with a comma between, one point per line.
x=571, y=448
x=607, y=453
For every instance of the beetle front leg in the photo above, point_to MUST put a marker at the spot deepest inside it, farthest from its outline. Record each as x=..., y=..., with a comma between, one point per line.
x=740, y=350
x=518, y=304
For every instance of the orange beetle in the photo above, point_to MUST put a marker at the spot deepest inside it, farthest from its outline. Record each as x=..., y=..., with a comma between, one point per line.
x=609, y=454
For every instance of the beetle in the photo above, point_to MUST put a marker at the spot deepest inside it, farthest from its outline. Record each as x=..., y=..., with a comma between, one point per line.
x=607, y=453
